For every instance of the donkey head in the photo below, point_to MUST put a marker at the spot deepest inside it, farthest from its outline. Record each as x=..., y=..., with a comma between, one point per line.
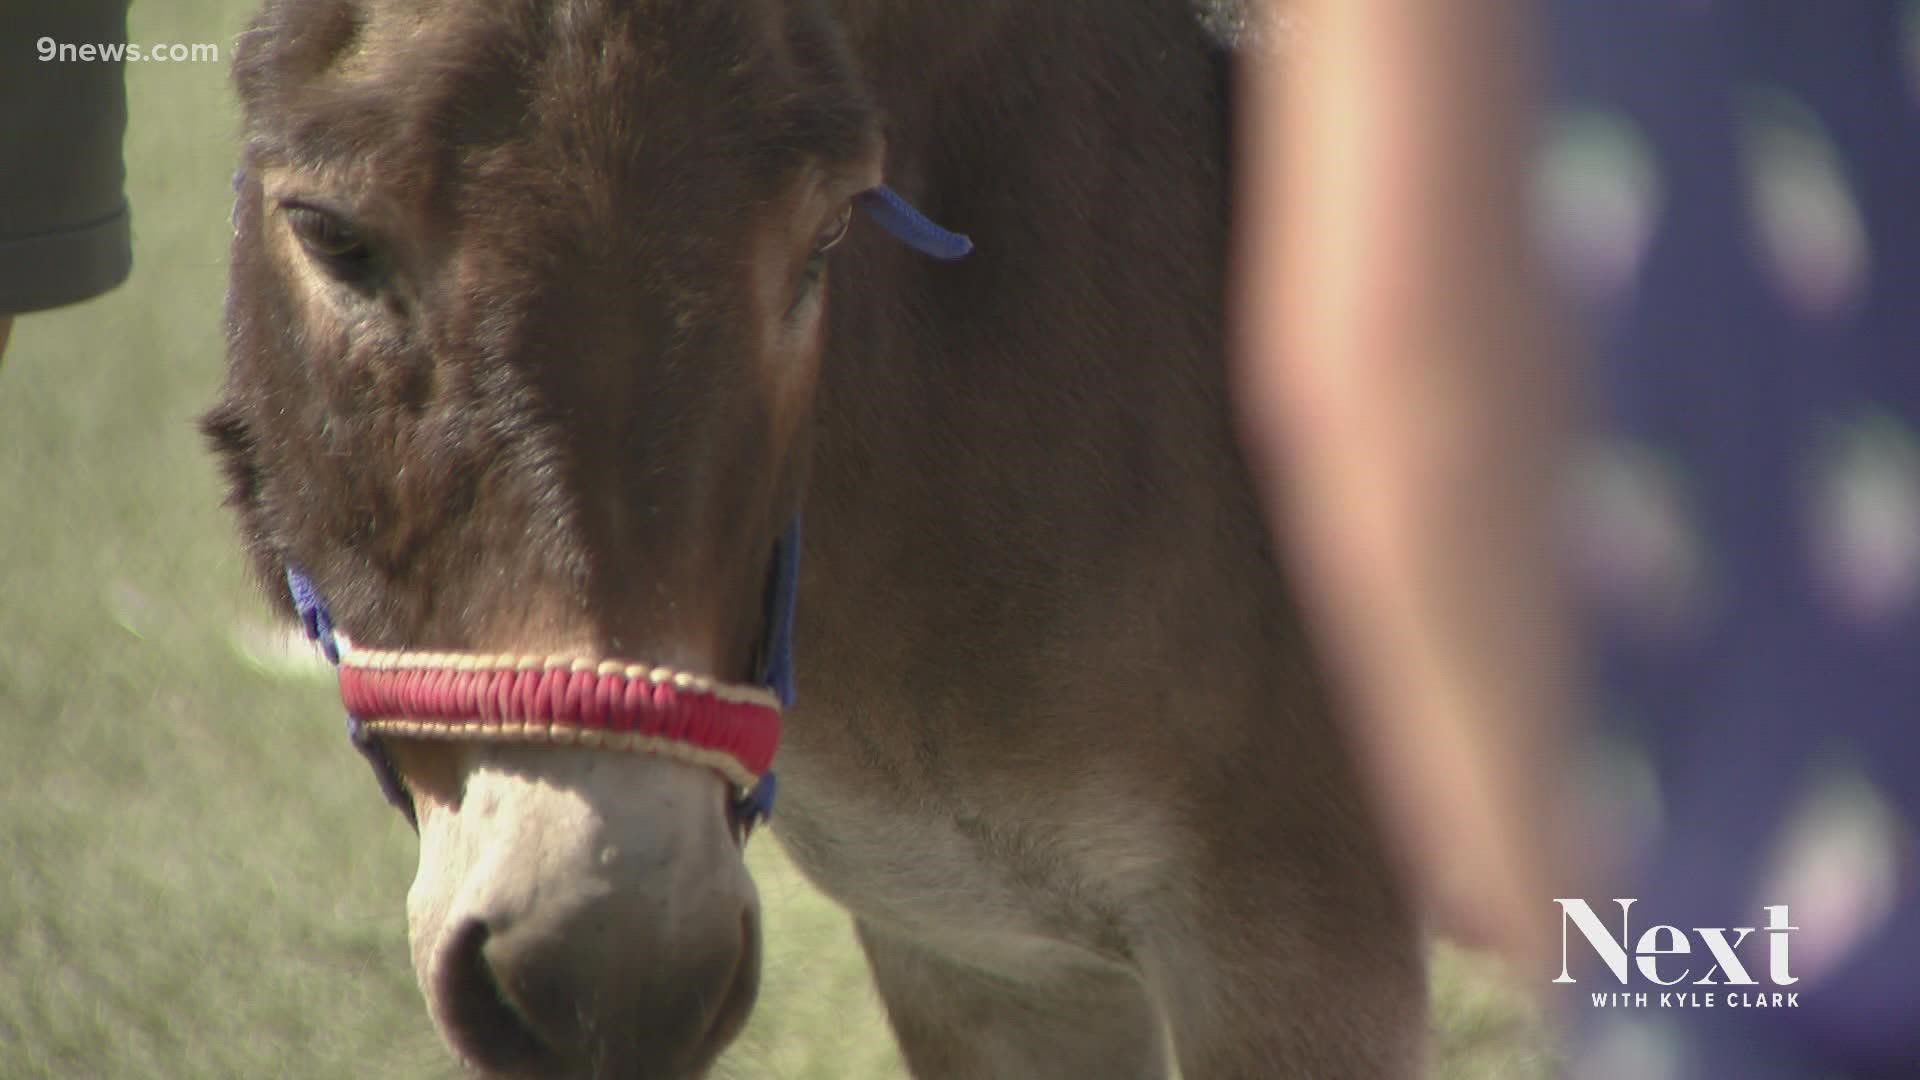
x=526, y=309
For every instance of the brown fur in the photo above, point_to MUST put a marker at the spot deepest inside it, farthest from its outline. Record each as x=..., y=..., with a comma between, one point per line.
x=1059, y=747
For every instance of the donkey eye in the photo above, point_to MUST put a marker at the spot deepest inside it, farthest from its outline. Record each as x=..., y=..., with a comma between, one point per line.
x=816, y=265
x=330, y=239
x=835, y=232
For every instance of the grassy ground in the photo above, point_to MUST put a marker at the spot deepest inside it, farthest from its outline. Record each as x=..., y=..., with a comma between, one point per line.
x=197, y=878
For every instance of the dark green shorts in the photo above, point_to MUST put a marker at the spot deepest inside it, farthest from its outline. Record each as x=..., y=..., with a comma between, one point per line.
x=65, y=233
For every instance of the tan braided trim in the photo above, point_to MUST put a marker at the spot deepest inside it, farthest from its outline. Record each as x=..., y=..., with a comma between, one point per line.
x=567, y=735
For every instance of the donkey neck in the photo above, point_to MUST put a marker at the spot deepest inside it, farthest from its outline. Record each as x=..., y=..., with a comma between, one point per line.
x=988, y=426
x=1026, y=508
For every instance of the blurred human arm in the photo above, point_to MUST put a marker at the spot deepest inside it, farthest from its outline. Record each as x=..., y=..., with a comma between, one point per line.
x=1403, y=401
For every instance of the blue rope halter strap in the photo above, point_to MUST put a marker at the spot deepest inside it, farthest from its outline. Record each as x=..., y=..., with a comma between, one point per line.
x=775, y=666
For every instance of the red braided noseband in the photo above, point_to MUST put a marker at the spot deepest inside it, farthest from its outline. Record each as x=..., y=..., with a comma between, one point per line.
x=608, y=704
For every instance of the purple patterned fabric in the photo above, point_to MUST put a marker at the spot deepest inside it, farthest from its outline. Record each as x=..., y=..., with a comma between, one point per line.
x=1732, y=190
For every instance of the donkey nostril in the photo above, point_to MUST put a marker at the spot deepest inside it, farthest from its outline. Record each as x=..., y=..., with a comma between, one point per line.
x=481, y=1023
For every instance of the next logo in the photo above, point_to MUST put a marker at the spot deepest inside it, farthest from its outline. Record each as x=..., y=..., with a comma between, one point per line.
x=1663, y=941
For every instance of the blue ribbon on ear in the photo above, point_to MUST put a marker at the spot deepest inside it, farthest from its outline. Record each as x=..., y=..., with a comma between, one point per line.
x=911, y=227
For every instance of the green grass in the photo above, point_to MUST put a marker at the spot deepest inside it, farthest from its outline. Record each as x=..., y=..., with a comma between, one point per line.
x=197, y=877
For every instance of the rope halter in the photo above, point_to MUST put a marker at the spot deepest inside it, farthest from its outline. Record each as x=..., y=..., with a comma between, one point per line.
x=595, y=702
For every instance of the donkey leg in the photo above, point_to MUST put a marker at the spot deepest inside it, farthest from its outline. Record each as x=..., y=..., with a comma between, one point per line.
x=956, y=1022
x=1251, y=996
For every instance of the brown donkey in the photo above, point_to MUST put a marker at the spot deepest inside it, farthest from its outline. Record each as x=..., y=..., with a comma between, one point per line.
x=537, y=347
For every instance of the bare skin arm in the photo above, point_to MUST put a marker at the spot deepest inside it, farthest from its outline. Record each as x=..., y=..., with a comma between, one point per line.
x=1402, y=393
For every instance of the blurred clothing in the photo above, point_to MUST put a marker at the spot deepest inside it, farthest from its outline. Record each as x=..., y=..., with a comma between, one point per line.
x=1731, y=187
x=65, y=233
